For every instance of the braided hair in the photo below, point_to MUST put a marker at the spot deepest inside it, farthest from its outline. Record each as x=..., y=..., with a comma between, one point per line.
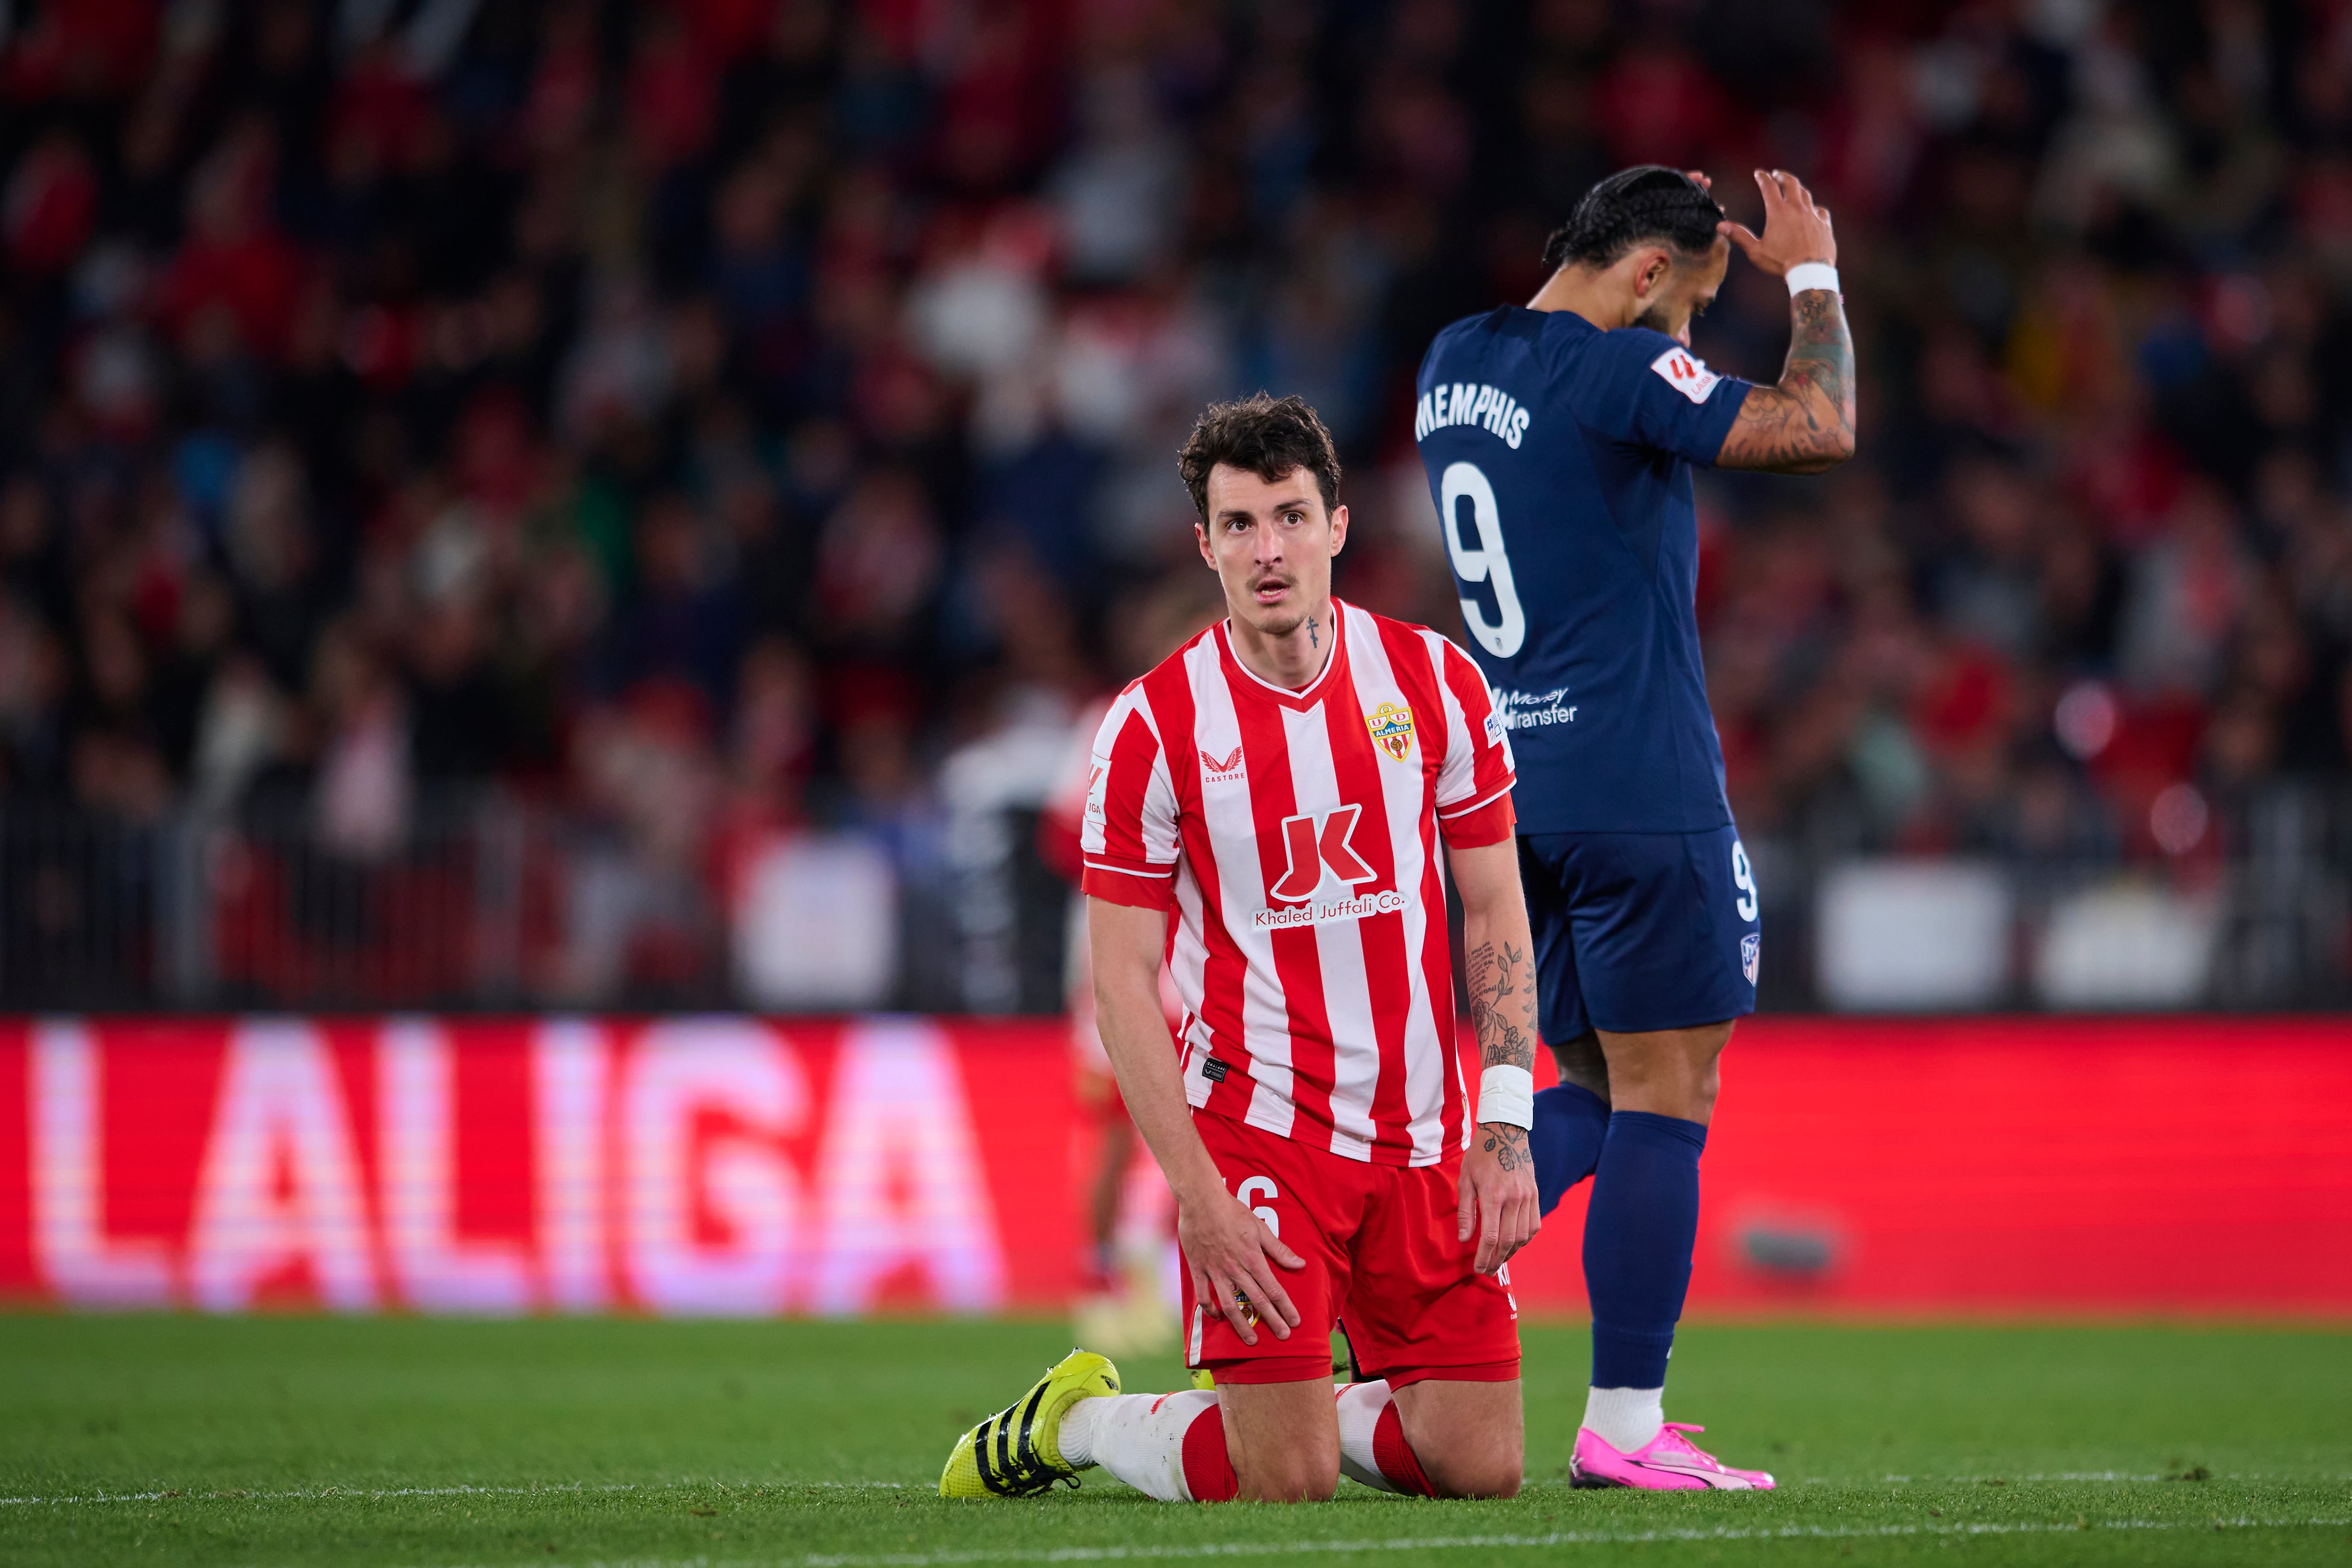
x=1648, y=202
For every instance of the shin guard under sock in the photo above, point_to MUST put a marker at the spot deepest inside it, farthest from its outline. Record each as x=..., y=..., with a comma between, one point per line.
x=1208, y=1466
x=1372, y=1447
x=1167, y=1446
x=1397, y=1460
x=1638, y=1236
x=1571, y=1122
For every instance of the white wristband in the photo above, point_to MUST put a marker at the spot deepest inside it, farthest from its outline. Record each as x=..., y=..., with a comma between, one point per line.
x=1813, y=274
x=1507, y=1094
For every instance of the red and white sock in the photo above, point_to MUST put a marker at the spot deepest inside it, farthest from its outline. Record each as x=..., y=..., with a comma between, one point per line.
x=1373, y=1448
x=1168, y=1445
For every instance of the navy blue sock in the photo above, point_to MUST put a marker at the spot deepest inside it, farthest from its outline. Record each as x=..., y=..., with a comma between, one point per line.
x=1638, y=1236
x=1570, y=1122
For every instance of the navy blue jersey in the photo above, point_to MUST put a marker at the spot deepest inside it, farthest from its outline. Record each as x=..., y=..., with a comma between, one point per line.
x=1559, y=458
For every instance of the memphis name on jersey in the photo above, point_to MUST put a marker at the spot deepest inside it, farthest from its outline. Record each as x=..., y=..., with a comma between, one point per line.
x=1471, y=402
x=1296, y=838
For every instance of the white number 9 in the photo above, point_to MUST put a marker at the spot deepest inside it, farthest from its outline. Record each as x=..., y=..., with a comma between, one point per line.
x=1487, y=563
x=1250, y=1189
x=1743, y=880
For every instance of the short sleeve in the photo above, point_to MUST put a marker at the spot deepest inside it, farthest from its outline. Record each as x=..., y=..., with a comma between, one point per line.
x=1474, y=782
x=1644, y=388
x=1127, y=838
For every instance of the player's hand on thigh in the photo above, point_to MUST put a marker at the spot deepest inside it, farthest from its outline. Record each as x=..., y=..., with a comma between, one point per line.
x=1498, y=1195
x=1232, y=1254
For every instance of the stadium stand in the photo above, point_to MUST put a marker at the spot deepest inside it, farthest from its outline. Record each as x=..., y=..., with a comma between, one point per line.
x=602, y=504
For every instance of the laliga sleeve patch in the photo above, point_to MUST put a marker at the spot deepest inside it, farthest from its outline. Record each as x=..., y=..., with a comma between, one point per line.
x=1685, y=375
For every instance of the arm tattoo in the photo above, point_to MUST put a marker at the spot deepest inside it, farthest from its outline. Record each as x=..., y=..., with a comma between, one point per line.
x=1805, y=425
x=1502, y=1005
x=1508, y=1144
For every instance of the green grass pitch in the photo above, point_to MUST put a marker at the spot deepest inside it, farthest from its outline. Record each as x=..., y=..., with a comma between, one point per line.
x=433, y=1444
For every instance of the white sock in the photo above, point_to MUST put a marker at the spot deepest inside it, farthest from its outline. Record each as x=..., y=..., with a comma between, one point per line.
x=1360, y=1405
x=1626, y=1418
x=1138, y=1437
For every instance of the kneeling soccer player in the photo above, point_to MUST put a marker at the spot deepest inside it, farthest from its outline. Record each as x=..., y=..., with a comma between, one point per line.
x=1266, y=809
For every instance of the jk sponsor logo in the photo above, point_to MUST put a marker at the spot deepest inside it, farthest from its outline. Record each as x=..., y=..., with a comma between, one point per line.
x=1317, y=845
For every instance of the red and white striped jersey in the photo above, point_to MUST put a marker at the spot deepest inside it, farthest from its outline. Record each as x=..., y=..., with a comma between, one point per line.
x=1295, y=836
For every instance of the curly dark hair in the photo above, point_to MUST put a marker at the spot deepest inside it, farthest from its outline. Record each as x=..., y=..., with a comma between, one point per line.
x=1268, y=437
x=1648, y=202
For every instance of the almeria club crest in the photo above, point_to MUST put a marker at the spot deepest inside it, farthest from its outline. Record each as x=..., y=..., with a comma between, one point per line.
x=1391, y=725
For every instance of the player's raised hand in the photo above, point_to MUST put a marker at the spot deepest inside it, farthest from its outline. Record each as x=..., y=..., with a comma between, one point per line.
x=1796, y=230
x=1498, y=1195
x=1229, y=1249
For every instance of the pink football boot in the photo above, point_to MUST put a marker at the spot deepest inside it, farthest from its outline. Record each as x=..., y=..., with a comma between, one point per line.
x=1668, y=1462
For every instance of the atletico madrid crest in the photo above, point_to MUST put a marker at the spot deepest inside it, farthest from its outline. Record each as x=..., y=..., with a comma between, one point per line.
x=1391, y=726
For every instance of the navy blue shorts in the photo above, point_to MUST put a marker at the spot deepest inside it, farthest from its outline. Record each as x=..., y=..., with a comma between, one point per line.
x=1637, y=932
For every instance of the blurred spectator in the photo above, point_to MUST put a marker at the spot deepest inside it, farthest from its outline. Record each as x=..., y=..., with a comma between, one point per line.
x=638, y=912
x=364, y=782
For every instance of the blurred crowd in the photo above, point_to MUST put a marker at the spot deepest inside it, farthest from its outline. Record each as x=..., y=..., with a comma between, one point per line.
x=723, y=420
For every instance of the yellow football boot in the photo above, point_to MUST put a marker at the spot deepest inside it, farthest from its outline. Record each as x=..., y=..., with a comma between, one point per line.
x=1014, y=1453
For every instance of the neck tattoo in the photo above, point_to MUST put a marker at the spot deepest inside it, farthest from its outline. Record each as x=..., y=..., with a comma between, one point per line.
x=1312, y=640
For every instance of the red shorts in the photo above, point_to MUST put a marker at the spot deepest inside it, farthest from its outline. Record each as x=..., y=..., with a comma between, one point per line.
x=1381, y=1261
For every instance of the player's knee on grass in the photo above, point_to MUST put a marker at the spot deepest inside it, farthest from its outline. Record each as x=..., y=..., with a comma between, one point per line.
x=1470, y=1438
x=1291, y=1478
x=1299, y=1469
x=1282, y=1439
x=1488, y=1475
